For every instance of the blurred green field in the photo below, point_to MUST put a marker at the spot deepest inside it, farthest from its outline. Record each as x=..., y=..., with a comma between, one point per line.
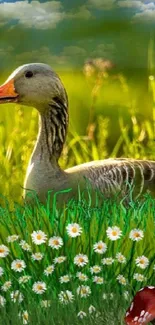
x=114, y=119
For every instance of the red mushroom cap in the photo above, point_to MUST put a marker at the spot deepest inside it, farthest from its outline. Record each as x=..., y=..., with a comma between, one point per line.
x=142, y=308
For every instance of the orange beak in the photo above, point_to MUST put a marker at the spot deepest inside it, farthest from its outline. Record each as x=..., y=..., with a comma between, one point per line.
x=8, y=93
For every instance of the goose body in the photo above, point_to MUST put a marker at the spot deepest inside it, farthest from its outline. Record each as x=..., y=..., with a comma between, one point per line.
x=37, y=85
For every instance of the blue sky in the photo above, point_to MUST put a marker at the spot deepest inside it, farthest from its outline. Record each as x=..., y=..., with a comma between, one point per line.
x=66, y=33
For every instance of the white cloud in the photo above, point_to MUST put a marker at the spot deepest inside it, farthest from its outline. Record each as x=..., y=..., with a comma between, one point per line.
x=130, y=4
x=70, y=55
x=145, y=12
x=101, y=4
x=39, y=15
x=136, y=4
x=82, y=13
x=145, y=16
x=35, y=14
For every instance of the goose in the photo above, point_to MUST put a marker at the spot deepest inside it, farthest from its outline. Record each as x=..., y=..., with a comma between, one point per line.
x=38, y=86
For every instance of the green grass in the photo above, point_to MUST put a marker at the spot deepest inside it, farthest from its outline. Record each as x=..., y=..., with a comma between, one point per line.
x=94, y=222
x=110, y=311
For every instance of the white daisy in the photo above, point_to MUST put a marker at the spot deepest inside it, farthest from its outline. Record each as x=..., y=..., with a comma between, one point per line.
x=74, y=230
x=83, y=291
x=39, y=287
x=16, y=296
x=18, y=265
x=120, y=258
x=38, y=237
x=98, y=279
x=91, y=309
x=65, y=297
x=107, y=261
x=45, y=303
x=12, y=238
x=6, y=286
x=64, y=278
x=136, y=234
x=121, y=279
x=55, y=242
x=100, y=247
x=4, y=251
x=24, y=279
x=142, y=261
x=25, y=317
x=139, y=277
x=81, y=276
x=25, y=246
x=95, y=269
x=2, y=301
x=114, y=233
x=37, y=256
x=81, y=314
x=59, y=259
x=1, y=271
x=80, y=260
x=49, y=270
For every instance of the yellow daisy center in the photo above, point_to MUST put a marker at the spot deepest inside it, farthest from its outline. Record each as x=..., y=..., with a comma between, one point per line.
x=81, y=259
x=39, y=236
x=137, y=234
x=55, y=242
x=114, y=233
x=2, y=250
x=18, y=265
x=74, y=229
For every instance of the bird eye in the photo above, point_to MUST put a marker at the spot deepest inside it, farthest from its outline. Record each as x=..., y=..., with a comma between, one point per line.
x=29, y=74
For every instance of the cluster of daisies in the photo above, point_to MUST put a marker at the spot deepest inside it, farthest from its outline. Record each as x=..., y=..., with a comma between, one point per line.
x=95, y=273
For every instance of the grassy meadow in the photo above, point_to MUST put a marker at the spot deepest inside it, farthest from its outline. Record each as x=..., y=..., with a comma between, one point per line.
x=90, y=277
x=110, y=116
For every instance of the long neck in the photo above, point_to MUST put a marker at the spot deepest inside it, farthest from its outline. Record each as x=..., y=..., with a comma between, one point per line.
x=52, y=133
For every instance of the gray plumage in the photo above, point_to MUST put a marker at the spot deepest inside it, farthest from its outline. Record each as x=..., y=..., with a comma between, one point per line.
x=45, y=91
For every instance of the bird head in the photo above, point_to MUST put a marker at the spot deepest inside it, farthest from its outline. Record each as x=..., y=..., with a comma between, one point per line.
x=35, y=85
